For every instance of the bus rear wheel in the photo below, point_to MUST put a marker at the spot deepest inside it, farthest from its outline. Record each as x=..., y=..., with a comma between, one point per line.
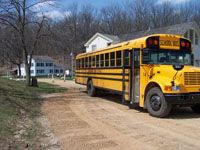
x=196, y=108
x=156, y=104
x=91, y=89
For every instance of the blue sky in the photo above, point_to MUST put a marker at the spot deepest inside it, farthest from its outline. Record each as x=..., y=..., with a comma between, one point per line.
x=58, y=8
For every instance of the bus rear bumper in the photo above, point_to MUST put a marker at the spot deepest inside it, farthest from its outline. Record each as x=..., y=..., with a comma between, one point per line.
x=190, y=98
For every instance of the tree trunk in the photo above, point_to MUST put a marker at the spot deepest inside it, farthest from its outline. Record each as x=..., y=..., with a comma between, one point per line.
x=27, y=70
x=19, y=68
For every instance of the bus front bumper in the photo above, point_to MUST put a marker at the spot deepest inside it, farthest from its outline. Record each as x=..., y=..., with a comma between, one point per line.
x=189, y=98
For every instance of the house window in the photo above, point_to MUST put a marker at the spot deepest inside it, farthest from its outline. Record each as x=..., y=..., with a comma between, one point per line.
x=49, y=64
x=32, y=64
x=61, y=70
x=51, y=71
x=40, y=64
x=40, y=71
x=94, y=47
x=32, y=71
x=56, y=71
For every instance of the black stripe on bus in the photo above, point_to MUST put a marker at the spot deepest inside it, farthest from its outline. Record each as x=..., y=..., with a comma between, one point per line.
x=120, y=74
x=127, y=67
x=102, y=78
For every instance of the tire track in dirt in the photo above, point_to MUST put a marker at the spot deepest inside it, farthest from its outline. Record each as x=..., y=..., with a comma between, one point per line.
x=83, y=122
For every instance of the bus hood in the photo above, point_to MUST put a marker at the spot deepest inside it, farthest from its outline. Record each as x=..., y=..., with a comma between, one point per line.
x=188, y=78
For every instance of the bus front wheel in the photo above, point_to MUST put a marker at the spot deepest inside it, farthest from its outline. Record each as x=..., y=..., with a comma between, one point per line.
x=91, y=89
x=196, y=108
x=156, y=104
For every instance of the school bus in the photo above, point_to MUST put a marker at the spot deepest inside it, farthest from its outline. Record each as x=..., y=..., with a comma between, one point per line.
x=155, y=72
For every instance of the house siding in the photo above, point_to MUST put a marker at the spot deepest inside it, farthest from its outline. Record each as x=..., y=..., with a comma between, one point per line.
x=99, y=42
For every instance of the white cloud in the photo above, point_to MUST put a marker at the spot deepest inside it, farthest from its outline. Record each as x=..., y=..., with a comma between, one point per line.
x=174, y=1
x=44, y=6
x=49, y=10
x=54, y=14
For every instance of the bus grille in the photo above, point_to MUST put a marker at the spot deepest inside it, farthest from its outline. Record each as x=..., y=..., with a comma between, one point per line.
x=192, y=78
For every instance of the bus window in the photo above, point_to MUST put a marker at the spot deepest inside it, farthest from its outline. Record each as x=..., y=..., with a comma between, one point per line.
x=93, y=61
x=89, y=62
x=102, y=60
x=80, y=63
x=107, y=59
x=86, y=62
x=112, y=59
x=126, y=58
x=83, y=62
x=119, y=58
x=97, y=60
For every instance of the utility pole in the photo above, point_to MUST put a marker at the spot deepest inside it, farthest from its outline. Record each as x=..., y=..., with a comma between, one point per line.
x=72, y=61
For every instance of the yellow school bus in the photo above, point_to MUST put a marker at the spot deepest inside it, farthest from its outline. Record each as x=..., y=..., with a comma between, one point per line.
x=155, y=72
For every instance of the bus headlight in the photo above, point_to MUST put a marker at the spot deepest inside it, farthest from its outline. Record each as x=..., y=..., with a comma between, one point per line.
x=172, y=88
x=176, y=88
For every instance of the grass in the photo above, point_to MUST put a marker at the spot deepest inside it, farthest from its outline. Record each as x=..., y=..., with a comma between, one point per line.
x=19, y=108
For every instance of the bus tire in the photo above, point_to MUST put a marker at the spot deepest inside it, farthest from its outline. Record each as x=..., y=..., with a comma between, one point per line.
x=156, y=104
x=196, y=108
x=91, y=89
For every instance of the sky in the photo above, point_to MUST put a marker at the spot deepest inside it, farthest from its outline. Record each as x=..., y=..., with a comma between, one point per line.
x=58, y=9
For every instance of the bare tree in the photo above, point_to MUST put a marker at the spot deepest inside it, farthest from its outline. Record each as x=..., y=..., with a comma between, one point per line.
x=11, y=48
x=18, y=15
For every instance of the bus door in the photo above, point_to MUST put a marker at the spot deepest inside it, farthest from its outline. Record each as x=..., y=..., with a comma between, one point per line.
x=126, y=76
x=135, y=81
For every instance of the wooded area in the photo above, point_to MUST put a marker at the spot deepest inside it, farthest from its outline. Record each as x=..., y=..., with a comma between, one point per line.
x=24, y=33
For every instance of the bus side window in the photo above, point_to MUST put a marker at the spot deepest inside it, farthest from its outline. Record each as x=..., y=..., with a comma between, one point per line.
x=89, y=62
x=97, y=60
x=83, y=62
x=86, y=62
x=112, y=59
x=126, y=58
x=80, y=63
x=102, y=60
x=93, y=61
x=119, y=58
x=107, y=59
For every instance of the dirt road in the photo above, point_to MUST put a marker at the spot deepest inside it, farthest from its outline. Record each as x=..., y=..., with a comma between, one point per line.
x=83, y=122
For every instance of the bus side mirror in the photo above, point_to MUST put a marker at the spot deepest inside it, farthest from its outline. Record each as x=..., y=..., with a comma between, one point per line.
x=178, y=67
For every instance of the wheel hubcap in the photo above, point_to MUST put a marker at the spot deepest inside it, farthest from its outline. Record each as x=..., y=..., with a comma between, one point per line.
x=155, y=102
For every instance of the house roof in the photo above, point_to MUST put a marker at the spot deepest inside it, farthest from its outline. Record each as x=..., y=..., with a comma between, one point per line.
x=110, y=38
x=41, y=57
x=178, y=29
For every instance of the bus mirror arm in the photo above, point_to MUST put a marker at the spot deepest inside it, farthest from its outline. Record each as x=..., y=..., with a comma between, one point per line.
x=177, y=68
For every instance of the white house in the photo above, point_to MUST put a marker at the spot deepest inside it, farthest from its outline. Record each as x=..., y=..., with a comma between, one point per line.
x=189, y=30
x=42, y=66
x=99, y=41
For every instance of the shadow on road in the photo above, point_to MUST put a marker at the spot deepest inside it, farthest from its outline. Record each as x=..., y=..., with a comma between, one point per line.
x=176, y=113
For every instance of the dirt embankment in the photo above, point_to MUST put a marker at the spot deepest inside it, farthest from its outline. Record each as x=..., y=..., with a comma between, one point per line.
x=83, y=122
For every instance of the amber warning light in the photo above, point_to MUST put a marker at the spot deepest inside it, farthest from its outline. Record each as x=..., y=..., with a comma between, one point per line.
x=185, y=44
x=153, y=42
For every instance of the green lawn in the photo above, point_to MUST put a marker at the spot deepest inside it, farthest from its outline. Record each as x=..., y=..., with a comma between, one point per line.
x=19, y=108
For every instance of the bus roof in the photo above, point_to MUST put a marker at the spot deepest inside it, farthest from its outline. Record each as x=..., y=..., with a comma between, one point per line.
x=135, y=43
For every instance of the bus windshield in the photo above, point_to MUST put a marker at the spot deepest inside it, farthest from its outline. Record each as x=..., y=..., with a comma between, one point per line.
x=168, y=57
